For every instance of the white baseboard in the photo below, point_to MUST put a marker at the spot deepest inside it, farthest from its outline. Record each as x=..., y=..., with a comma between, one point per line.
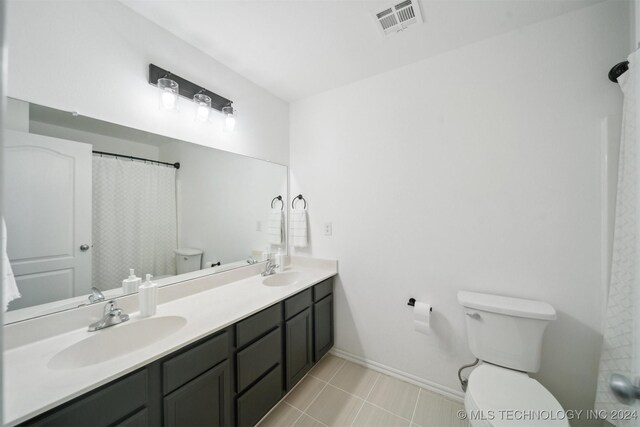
x=392, y=372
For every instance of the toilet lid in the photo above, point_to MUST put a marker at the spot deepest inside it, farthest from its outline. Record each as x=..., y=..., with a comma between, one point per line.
x=504, y=397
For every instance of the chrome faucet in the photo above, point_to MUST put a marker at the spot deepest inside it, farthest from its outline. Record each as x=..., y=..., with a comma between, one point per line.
x=269, y=268
x=251, y=260
x=112, y=316
x=96, y=295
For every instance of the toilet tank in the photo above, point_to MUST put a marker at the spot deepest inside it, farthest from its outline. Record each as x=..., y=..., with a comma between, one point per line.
x=188, y=259
x=506, y=331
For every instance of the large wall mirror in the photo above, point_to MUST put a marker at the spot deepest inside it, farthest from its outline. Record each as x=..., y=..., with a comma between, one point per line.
x=87, y=200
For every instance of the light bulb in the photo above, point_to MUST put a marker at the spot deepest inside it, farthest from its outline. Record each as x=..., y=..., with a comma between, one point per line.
x=168, y=93
x=203, y=108
x=230, y=118
x=168, y=100
x=230, y=123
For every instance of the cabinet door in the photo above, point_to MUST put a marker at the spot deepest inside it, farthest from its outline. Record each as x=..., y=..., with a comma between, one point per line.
x=299, y=358
x=204, y=401
x=323, y=326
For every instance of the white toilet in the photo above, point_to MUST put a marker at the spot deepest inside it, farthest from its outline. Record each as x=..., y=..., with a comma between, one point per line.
x=506, y=334
x=188, y=259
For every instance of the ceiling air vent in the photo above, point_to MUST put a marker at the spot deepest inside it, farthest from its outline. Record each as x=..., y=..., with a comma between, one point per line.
x=398, y=16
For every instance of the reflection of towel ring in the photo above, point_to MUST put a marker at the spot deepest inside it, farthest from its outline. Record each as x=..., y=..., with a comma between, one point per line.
x=298, y=197
x=281, y=201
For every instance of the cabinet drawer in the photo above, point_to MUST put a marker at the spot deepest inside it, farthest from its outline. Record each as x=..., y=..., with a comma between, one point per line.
x=260, y=398
x=139, y=419
x=251, y=328
x=103, y=407
x=297, y=303
x=322, y=289
x=258, y=358
x=193, y=362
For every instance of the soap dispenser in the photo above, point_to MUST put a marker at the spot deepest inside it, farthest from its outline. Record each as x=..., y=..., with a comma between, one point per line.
x=148, y=297
x=131, y=284
x=266, y=254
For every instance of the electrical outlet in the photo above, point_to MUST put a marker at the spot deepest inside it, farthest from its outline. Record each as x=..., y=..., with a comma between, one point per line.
x=328, y=229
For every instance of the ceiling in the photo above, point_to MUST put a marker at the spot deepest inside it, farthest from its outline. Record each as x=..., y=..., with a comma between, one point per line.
x=297, y=48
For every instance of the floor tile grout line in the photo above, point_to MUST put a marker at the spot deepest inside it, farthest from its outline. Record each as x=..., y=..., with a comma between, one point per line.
x=368, y=401
x=365, y=399
x=415, y=408
x=315, y=419
x=302, y=413
x=388, y=411
x=299, y=416
x=320, y=392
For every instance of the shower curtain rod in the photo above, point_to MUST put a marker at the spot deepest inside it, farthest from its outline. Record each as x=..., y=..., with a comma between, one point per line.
x=619, y=69
x=124, y=156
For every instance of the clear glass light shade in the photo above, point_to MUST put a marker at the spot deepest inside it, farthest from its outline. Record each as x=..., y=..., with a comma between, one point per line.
x=168, y=93
x=203, y=106
x=229, y=119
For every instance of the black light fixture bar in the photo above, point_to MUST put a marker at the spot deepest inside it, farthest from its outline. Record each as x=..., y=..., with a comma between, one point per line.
x=186, y=88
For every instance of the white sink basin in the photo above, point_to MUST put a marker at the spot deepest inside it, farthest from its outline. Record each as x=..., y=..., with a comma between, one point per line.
x=116, y=341
x=282, y=279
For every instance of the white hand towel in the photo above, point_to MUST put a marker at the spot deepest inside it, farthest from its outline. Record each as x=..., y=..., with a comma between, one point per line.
x=299, y=233
x=275, y=227
x=9, y=288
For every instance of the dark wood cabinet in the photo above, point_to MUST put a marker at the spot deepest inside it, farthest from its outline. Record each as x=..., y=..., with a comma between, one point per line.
x=256, y=401
x=139, y=419
x=202, y=402
x=299, y=346
x=232, y=377
x=323, y=327
x=111, y=404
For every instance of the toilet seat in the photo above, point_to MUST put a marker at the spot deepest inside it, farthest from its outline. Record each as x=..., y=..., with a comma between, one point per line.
x=502, y=397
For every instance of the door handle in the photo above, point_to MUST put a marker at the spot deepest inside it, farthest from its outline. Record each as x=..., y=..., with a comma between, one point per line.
x=84, y=247
x=623, y=389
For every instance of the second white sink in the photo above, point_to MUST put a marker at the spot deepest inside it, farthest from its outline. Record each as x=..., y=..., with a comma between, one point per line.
x=283, y=279
x=115, y=341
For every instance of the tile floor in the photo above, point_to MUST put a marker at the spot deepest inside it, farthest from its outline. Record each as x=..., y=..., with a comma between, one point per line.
x=339, y=393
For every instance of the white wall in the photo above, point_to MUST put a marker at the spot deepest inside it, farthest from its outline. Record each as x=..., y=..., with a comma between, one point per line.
x=93, y=57
x=221, y=198
x=477, y=169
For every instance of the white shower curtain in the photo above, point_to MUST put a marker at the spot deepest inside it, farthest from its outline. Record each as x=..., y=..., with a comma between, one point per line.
x=620, y=348
x=134, y=220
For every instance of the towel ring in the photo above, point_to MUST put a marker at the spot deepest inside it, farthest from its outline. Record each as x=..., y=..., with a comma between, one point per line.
x=298, y=197
x=279, y=198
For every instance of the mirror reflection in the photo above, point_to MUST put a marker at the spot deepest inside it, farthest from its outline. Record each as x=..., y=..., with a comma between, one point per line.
x=92, y=207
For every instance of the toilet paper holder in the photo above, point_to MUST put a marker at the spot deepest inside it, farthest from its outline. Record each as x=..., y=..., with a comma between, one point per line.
x=412, y=303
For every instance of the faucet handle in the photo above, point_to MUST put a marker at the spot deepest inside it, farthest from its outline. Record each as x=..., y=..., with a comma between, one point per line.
x=96, y=295
x=110, y=307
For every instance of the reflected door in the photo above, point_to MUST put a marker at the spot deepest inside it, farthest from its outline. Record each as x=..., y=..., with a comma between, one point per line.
x=48, y=214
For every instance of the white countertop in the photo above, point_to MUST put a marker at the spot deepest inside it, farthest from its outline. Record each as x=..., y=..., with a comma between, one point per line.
x=31, y=387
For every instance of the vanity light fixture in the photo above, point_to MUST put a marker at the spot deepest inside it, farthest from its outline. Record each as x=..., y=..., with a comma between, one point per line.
x=203, y=106
x=168, y=90
x=169, y=98
x=230, y=118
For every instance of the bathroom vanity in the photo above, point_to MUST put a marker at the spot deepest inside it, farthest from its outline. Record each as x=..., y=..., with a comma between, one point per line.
x=231, y=374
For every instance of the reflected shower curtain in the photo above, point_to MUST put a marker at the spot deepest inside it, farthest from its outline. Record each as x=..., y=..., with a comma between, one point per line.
x=620, y=349
x=134, y=220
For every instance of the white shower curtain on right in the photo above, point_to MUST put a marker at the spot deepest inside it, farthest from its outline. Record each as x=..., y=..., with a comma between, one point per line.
x=621, y=345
